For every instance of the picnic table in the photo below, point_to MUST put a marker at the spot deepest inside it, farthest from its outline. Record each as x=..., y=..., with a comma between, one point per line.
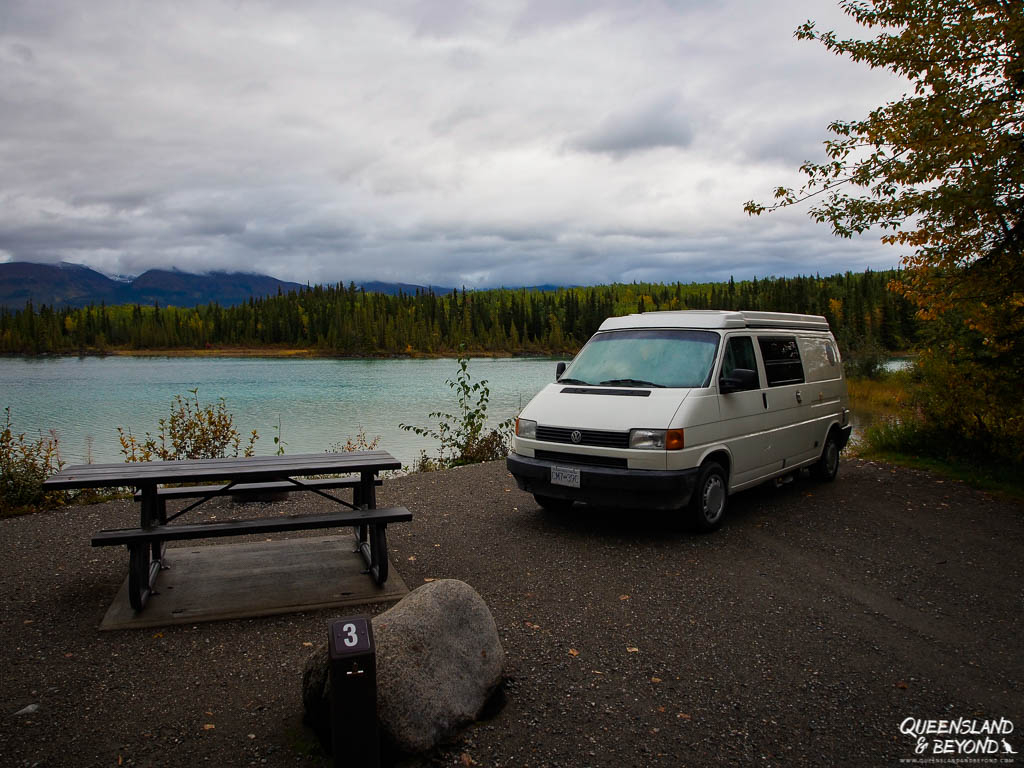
x=146, y=544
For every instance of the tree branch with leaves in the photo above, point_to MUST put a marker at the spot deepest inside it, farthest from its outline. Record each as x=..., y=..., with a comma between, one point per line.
x=941, y=171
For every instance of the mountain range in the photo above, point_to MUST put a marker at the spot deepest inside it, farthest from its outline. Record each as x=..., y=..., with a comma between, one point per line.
x=75, y=285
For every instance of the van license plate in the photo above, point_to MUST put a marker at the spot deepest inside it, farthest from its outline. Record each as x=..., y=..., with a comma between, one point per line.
x=569, y=476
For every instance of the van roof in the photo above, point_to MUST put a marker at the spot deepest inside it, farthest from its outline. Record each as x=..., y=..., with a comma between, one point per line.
x=716, y=318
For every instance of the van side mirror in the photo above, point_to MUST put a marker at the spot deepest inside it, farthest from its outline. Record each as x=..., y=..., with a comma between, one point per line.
x=559, y=370
x=740, y=380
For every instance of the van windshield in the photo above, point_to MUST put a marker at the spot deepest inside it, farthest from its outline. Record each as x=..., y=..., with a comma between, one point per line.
x=645, y=357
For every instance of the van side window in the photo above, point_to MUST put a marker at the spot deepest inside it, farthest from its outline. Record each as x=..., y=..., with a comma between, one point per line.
x=781, y=360
x=739, y=353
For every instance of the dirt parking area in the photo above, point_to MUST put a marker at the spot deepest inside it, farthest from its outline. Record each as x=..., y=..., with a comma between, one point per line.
x=806, y=631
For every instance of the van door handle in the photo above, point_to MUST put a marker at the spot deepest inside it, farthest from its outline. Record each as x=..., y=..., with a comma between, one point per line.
x=799, y=397
x=764, y=397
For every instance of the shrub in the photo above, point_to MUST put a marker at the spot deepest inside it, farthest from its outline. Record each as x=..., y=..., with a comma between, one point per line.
x=24, y=464
x=358, y=443
x=900, y=434
x=192, y=431
x=973, y=406
x=463, y=436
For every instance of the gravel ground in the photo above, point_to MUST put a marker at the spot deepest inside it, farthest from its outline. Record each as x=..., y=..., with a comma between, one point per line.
x=802, y=633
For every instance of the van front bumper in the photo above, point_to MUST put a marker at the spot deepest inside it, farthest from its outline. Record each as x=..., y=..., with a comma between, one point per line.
x=607, y=486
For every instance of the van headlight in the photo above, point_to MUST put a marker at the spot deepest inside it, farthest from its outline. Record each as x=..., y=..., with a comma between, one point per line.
x=656, y=439
x=526, y=428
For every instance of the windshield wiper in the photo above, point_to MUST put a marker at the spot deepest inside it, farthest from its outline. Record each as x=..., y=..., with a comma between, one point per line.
x=631, y=383
x=573, y=381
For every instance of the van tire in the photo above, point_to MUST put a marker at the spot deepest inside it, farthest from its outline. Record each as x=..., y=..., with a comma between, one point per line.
x=553, y=504
x=710, y=497
x=827, y=467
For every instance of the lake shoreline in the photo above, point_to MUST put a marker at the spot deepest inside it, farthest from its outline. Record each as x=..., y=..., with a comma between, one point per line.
x=287, y=353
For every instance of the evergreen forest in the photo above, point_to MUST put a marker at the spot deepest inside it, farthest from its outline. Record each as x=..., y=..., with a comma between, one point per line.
x=347, y=321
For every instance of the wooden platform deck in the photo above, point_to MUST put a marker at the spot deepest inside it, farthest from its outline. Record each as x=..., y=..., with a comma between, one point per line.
x=241, y=580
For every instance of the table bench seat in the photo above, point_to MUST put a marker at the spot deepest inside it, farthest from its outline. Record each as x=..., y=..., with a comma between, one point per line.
x=341, y=518
x=371, y=538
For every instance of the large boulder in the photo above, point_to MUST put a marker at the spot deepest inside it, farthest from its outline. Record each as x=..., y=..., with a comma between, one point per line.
x=438, y=661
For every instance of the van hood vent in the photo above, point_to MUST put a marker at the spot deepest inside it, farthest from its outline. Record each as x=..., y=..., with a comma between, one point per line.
x=606, y=391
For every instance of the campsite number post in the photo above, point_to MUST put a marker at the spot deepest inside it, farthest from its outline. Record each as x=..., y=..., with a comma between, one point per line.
x=353, y=659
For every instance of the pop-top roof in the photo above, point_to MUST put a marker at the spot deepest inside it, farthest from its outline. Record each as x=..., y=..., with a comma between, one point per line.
x=716, y=318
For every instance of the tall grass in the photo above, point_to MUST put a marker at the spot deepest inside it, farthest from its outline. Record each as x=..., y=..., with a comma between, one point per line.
x=880, y=397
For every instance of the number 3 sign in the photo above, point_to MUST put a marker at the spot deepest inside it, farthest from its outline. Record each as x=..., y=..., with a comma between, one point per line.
x=351, y=635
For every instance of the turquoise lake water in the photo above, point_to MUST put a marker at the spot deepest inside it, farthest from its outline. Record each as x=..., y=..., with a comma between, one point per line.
x=319, y=402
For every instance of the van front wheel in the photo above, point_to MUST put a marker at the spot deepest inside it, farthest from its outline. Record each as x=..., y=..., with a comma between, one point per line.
x=707, y=505
x=827, y=466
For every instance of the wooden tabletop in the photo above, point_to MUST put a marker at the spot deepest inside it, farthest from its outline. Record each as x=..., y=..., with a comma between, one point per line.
x=252, y=469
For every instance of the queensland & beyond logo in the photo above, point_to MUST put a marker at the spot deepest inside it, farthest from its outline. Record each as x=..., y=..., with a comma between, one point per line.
x=959, y=737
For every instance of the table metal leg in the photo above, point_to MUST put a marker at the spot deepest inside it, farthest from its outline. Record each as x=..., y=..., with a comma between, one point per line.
x=153, y=512
x=379, y=546
x=145, y=561
x=139, y=574
x=371, y=540
x=161, y=517
x=368, y=489
x=374, y=551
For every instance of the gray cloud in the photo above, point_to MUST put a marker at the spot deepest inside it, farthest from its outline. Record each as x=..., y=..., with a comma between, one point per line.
x=656, y=125
x=451, y=143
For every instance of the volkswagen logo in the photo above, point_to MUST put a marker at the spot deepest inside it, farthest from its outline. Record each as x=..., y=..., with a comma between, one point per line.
x=576, y=436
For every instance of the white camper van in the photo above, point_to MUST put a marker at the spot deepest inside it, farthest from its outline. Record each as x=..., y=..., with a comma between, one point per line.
x=674, y=410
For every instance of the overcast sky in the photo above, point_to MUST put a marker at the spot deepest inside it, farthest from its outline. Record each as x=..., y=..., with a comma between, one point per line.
x=447, y=142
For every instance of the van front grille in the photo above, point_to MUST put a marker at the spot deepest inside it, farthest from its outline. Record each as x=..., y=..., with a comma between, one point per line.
x=579, y=458
x=598, y=437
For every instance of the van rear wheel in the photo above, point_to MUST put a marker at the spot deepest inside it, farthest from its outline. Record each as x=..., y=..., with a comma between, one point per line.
x=707, y=505
x=552, y=503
